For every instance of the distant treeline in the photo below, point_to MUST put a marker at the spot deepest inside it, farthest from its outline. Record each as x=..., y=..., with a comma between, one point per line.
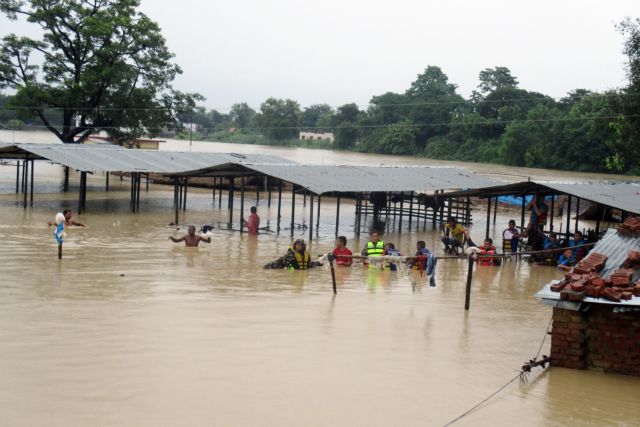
x=499, y=123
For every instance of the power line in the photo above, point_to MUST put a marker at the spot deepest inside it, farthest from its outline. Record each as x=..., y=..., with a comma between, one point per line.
x=407, y=104
x=399, y=125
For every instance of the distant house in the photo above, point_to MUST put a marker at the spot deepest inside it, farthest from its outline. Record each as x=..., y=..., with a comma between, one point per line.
x=317, y=136
x=192, y=127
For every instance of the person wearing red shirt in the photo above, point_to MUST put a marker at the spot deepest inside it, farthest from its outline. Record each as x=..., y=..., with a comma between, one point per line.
x=253, y=223
x=341, y=249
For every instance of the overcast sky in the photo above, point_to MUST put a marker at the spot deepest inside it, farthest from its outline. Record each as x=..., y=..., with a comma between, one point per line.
x=341, y=51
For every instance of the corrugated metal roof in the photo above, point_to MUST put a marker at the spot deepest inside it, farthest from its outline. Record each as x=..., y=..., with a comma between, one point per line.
x=620, y=195
x=109, y=158
x=616, y=247
x=321, y=179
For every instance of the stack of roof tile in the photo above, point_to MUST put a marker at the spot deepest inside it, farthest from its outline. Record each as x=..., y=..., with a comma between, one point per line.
x=631, y=227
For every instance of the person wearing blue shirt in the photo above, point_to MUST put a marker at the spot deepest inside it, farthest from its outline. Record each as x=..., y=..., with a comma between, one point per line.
x=567, y=260
x=578, y=240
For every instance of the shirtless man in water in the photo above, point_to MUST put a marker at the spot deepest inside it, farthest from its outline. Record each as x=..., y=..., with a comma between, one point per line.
x=68, y=222
x=190, y=239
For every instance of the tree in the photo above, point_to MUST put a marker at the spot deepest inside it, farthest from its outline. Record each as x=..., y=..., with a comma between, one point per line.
x=313, y=114
x=279, y=118
x=346, y=129
x=494, y=79
x=242, y=115
x=104, y=64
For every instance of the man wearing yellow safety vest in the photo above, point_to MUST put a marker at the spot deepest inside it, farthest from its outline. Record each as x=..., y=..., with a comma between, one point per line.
x=375, y=246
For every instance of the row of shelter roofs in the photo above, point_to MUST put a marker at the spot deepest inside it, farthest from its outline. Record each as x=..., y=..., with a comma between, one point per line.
x=420, y=193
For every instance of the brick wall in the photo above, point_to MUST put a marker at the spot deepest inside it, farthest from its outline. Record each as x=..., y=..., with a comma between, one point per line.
x=597, y=338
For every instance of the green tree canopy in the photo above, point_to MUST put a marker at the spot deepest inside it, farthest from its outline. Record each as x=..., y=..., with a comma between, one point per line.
x=314, y=114
x=279, y=118
x=242, y=115
x=494, y=79
x=104, y=64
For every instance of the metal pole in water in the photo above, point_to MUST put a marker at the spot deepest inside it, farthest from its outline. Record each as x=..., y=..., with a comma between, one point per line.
x=467, y=296
x=337, y=214
x=311, y=217
x=488, y=216
x=241, y=203
x=279, y=205
x=293, y=206
x=333, y=274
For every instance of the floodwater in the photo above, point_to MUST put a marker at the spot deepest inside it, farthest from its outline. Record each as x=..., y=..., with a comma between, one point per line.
x=132, y=329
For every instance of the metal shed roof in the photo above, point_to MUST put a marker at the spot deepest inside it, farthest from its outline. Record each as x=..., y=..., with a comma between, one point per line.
x=108, y=158
x=619, y=195
x=321, y=179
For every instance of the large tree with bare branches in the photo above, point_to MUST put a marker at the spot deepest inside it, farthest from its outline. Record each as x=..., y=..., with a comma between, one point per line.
x=102, y=65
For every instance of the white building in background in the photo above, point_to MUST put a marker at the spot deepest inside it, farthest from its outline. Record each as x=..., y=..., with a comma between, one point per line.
x=317, y=136
x=192, y=127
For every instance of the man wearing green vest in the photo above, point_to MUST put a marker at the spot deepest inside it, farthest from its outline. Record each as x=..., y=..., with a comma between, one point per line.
x=375, y=246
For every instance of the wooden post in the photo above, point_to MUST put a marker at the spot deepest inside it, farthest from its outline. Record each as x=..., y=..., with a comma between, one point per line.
x=279, y=205
x=146, y=181
x=18, y=177
x=467, y=296
x=553, y=212
x=293, y=206
x=488, y=216
x=468, y=211
x=337, y=214
x=401, y=210
x=220, y=193
x=65, y=185
x=524, y=201
x=231, y=188
x=495, y=210
x=26, y=180
x=411, y=211
x=242, y=203
x=269, y=192
x=318, y=214
x=106, y=182
x=598, y=210
x=568, y=217
x=33, y=166
x=59, y=250
x=213, y=192
x=577, y=212
x=176, y=199
x=186, y=186
x=310, y=217
x=138, y=191
x=333, y=274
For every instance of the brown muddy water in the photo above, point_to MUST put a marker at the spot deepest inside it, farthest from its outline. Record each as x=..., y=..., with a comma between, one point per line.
x=132, y=329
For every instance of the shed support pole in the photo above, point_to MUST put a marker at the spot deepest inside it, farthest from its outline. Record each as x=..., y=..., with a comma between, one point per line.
x=599, y=212
x=25, y=187
x=553, y=212
x=293, y=206
x=146, y=181
x=524, y=200
x=83, y=180
x=337, y=215
x=467, y=296
x=257, y=194
x=33, y=166
x=488, y=217
x=65, y=186
x=401, y=210
x=184, y=202
x=232, y=184
x=220, y=193
x=213, y=192
x=138, y=191
x=411, y=211
x=318, y=214
x=106, y=181
x=568, y=216
x=176, y=203
x=468, y=211
x=269, y=192
x=310, y=217
x=577, y=212
x=279, y=206
x=241, y=203
x=495, y=210
x=18, y=176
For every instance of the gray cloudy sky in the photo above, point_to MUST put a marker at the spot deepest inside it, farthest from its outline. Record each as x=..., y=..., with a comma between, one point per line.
x=340, y=51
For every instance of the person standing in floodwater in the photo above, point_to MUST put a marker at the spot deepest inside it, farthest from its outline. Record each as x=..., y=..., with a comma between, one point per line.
x=68, y=222
x=191, y=239
x=253, y=223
